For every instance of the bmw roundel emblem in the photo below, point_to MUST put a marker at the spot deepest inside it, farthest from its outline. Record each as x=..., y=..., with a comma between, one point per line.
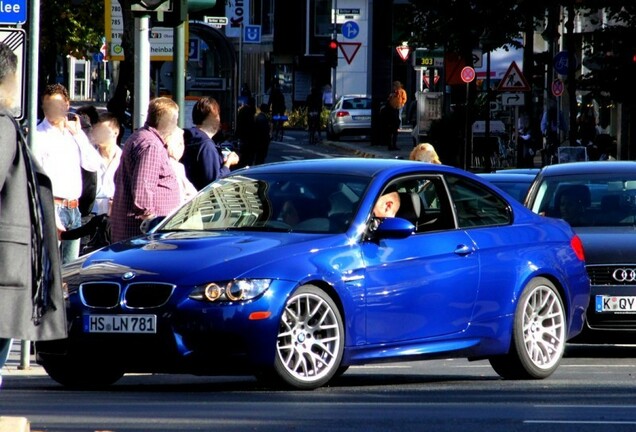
x=128, y=275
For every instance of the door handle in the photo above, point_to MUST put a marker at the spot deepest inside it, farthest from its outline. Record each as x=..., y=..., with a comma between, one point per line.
x=463, y=250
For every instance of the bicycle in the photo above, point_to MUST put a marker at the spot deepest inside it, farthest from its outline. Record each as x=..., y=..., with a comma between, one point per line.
x=278, y=121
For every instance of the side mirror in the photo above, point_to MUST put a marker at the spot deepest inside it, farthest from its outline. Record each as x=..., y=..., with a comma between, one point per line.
x=394, y=228
x=148, y=225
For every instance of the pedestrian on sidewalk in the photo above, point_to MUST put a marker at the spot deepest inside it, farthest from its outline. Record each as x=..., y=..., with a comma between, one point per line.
x=145, y=183
x=262, y=134
x=400, y=100
x=203, y=157
x=31, y=297
x=424, y=152
x=62, y=149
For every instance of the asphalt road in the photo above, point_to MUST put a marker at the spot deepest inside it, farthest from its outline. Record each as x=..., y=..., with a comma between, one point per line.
x=592, y=390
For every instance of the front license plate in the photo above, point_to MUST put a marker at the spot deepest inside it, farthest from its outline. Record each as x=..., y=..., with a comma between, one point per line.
x=120, y=324
x=616, y=304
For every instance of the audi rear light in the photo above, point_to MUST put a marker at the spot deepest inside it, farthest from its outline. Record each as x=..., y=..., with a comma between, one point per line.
x=577, y=247
x=342, y=114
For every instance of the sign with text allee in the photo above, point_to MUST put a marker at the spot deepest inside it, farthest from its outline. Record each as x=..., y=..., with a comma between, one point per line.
x=13, y=12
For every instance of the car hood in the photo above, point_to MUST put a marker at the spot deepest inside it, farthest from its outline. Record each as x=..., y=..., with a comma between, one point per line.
x=608, y=245
x=189, y=256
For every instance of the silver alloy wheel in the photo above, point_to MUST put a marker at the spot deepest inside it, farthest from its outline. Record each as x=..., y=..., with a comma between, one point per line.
x=544, y=327
x=309, y=338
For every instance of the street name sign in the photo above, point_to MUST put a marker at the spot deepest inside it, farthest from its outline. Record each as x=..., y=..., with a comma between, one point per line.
x=13, y=12
x=216, y=21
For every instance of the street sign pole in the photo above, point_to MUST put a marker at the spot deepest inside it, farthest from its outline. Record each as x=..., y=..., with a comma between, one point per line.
x=142, y=70
x=32, y=118
x=33, y=74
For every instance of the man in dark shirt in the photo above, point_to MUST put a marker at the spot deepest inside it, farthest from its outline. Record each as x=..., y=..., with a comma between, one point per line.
x=202, y=159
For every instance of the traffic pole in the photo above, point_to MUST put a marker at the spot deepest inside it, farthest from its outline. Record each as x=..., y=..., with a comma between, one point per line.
x=142, y=70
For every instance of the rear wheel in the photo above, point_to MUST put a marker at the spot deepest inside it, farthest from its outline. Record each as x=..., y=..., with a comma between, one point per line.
x=539, y=332
x=310, y=340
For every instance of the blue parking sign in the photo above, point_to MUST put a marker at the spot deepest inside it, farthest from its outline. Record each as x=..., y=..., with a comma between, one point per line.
x=252, y=33
x=13, y=12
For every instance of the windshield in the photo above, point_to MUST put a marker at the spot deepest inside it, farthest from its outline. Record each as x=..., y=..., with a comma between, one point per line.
x=313, y=203
x=589, y=200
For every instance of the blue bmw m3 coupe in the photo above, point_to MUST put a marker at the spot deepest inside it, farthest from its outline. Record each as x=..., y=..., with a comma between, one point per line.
x=289, y=272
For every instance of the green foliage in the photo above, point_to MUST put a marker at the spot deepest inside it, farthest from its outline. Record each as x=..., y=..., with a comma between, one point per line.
x=71, y=27
x=298, y=118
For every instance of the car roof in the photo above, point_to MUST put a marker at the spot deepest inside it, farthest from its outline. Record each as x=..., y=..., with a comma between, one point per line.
x=509, y=177
x=367, y=167
x=594, y=167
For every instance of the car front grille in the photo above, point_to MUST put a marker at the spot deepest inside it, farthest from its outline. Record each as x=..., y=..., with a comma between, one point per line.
x=147, y=295
x=604, y=275
x=142, y=295
x=100, y=294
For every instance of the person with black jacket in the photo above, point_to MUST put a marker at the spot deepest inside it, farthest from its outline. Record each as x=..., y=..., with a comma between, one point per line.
x=202, y=158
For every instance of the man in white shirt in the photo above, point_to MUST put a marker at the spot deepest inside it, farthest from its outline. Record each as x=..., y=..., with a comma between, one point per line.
x=61, y=148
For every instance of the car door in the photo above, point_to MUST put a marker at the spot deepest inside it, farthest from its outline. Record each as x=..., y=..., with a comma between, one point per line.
x=424, y=285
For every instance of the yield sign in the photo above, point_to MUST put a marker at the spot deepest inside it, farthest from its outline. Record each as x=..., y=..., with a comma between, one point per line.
x=513, y=80
x=427, y=80
x=349, y=50
x=403, y=51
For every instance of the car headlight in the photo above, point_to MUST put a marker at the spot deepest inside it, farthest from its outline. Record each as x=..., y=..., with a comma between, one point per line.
x=232, y=291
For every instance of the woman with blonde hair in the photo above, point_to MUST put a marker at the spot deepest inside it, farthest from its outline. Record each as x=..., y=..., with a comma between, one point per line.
x=424, y=152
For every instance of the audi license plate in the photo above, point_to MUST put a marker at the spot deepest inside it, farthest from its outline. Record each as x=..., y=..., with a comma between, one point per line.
x=362, y=117
x=120, y=324
x=616, y=304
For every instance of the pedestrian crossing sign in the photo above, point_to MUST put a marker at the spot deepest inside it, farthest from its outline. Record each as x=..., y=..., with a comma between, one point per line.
x=513, y=80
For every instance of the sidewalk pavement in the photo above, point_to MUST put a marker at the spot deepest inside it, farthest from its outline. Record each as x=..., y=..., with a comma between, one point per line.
x=364, y=149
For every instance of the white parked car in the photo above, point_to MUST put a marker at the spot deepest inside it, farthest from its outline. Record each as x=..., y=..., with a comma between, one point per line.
x=351, y=115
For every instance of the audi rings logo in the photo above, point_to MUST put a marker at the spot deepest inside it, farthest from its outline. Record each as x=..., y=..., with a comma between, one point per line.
x=624, y=275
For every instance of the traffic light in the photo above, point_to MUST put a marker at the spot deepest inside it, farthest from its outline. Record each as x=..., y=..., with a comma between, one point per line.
x=332, y=53
x=150, y=5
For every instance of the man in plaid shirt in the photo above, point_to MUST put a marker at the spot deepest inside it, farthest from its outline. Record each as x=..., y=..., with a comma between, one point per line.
x=145, y=182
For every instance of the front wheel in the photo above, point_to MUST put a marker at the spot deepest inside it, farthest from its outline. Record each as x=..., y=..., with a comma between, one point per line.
x=81, y=374
x=539, y=332
x=310, y=340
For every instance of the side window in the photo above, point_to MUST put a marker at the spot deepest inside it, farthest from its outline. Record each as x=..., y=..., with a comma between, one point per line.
x=477, y=206
x=424, y=202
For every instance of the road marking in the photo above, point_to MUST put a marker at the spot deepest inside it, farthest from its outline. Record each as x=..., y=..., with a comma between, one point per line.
x=301, y=148
x=559, y=406
x=591, y=422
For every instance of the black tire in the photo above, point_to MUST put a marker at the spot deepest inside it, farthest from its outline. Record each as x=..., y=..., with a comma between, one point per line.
x=538, y=335
x=310, y=340
x=78, y=374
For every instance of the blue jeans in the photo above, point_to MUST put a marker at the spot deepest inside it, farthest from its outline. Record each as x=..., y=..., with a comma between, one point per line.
x=5, y=348
x=70, y=218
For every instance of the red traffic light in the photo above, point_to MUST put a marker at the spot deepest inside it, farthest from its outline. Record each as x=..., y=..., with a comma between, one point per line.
x=333, y=44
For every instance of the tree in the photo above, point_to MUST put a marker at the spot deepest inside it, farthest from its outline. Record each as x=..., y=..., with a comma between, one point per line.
x=69, y=27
